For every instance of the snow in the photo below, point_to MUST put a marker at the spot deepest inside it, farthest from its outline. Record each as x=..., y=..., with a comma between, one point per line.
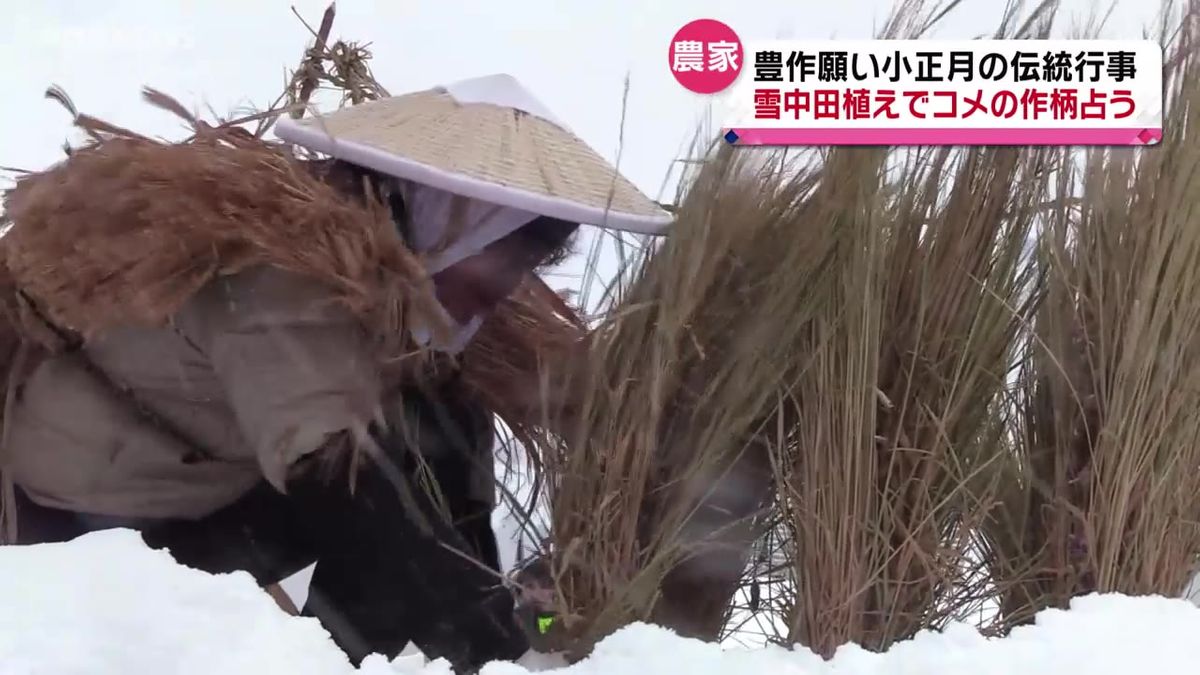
x=105, y=604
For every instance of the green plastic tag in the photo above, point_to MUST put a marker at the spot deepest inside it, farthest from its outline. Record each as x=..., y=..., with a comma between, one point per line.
x=544, y=623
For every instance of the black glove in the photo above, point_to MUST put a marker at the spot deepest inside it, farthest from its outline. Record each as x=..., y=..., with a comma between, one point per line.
x=394, y=567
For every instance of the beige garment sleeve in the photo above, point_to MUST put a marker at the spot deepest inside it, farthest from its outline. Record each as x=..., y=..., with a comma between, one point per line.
x=296, y=366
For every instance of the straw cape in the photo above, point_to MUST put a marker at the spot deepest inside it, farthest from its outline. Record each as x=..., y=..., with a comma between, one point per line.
x=487, y=139
x=127, y=228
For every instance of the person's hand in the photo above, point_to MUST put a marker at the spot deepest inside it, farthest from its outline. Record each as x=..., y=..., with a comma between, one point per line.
x=537, y=606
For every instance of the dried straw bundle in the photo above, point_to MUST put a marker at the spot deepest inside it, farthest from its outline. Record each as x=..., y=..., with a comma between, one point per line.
x=894, y=407
x=891, y=463
x=847, y=377
x=1102, y=492
x=679, y=379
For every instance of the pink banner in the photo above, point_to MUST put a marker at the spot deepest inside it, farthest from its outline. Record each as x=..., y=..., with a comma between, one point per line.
x=959, y=136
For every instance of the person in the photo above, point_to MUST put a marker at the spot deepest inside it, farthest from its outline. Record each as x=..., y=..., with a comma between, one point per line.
x=252, y=430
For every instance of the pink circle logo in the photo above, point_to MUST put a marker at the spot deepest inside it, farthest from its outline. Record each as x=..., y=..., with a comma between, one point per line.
x=705, y=56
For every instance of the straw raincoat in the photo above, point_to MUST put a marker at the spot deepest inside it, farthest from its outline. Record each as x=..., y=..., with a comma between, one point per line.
x=183, y=321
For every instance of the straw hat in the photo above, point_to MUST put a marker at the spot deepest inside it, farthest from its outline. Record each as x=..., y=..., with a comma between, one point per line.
x=487, y=139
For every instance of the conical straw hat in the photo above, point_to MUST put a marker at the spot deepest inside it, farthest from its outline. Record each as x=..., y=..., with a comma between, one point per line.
x=487, y=139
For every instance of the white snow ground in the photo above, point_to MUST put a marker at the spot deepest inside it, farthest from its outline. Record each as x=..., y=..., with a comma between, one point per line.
x=107, y=605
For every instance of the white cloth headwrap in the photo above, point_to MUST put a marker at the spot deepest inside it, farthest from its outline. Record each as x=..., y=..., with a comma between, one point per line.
x=445, y=229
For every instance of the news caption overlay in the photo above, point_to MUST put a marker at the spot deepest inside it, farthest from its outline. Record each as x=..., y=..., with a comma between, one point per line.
x=924, y=92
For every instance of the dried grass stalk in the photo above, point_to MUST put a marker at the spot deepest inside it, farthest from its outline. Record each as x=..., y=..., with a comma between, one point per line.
x=1102, y=493
x=670, y=463
x=892, y=409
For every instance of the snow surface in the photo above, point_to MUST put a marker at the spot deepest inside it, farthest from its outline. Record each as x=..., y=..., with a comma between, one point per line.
x=105, y=604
